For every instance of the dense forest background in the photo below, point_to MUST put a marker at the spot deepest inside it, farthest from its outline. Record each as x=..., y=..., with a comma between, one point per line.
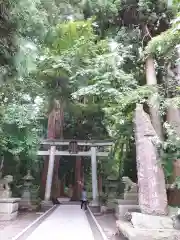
x=92, y=61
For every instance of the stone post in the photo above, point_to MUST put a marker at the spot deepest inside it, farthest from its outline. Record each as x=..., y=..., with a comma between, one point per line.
x=50, y=173
x=94, y=176
x=151, y=180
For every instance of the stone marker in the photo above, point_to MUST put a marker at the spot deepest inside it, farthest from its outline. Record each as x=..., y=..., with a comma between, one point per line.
x=151, y=180
x=152, y=222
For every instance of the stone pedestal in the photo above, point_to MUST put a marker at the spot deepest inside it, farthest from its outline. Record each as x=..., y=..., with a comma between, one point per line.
x=132, y=233
x=124, y=206
x=128, y=204
x=9, y=208
x=95, y=206
x=26, y=196
x=94, y=203
x=148, y=227
x=26, y=200
x=131, y=196
x=111, y=205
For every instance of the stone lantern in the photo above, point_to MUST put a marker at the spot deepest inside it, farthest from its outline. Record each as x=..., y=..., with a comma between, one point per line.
x=112, y=186
x=26, y=195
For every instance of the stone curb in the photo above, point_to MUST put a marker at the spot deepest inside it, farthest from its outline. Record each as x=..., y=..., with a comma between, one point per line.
x=97, y=225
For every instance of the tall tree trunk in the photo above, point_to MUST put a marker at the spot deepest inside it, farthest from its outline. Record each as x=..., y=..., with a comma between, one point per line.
x=173, y=118
x=154, y=103
x=58, y=185
x=100, y=184
x=50, y=135
x=78, y=179
x=55, y=130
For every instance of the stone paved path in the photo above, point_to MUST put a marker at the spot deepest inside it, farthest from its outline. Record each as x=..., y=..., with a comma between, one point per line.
x=67, y=222
x=8, y=230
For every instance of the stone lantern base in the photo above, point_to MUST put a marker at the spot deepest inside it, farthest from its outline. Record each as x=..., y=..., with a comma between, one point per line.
x=9, y=208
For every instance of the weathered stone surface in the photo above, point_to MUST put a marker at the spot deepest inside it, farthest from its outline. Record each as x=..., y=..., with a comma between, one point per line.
x=10, y=200
x=4, y=182
x=172, y=211
x=126, y=202
x=9, y=208
x=151, y=181
x=121, y=210
x=132, y=233
x=145, y=221
x=130, y=186
x=111, y=205
x=176, y=222
x=26, y=195
x=9, y=216
x=128, y=216
x=46, y=205
x=131, y=196
x=175, y=216
x=103, y=209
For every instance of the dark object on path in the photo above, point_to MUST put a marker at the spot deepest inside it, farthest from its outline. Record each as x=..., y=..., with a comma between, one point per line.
x=84, y=203
x=176, y=221
x=84, y=198
x=55, y=201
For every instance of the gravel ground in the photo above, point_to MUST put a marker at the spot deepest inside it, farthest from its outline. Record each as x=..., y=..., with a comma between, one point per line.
x=10, y=229
x=108, y=224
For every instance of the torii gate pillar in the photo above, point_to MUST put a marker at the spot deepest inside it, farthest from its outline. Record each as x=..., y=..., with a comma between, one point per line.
x=50, y=173
x=95, y=201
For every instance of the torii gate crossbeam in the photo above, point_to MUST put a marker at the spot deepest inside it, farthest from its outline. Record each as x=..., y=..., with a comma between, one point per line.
x=93, y=153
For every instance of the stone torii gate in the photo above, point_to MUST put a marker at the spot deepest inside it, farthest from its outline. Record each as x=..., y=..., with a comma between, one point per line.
x=93, y=152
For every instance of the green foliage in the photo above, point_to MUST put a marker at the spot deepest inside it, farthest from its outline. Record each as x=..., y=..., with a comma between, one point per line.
x=95, y=65
x=165, y=43
x=20, y=131
x=68, y=34
x=8, y=45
